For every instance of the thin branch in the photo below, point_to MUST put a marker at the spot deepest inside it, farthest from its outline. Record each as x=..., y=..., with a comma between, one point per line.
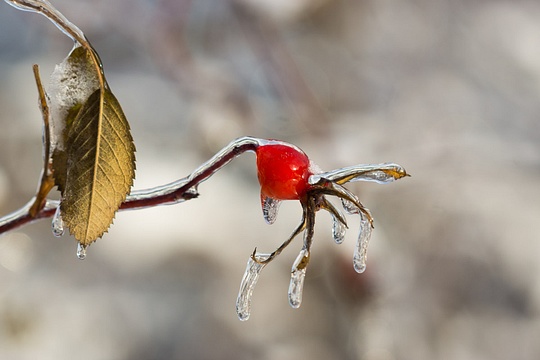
x=46, y=181
x=176, y=192
x=46, y=9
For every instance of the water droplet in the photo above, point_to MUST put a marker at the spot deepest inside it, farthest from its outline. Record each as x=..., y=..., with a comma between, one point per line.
x=81, y=251
x=249, y=280
x=338, y=230
x=298, y=274
x=270, y=207
x=360, y=251
x=57, y=223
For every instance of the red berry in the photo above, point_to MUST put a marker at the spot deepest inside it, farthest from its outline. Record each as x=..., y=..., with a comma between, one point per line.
x=283, y=171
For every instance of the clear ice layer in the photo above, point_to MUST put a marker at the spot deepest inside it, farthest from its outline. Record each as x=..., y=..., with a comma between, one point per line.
x=379, y=173
x=350, y=207
x=251, y=276
x=298, y=275
x=360, y=251
x=270, y=207
x=338, y=230
x=81, y=251
x=57, y=223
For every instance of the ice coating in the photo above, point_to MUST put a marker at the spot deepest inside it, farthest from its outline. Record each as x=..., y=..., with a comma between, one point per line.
x=249, y=280
x=338, y=230
x=57, y=223
x=379, y=173
x=270, y=207
x=360, y=251
x=81, y=251
x=349, y=207
x=71, y=84
x=298, y=275
x=45, y=8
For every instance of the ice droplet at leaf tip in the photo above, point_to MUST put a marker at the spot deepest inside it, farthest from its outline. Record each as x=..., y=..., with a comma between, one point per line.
x=81, y=251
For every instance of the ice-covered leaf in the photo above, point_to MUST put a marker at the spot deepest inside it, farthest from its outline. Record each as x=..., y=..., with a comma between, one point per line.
x=91, y=146
x=100, y=164
x=71, y=84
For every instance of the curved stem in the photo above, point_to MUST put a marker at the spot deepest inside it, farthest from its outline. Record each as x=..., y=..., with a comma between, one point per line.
x=45, y=8
x=301, y=227
x=46, y=182
x=173, y=193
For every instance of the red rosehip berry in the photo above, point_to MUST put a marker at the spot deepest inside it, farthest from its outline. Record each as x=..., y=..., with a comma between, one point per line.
x=283, y=171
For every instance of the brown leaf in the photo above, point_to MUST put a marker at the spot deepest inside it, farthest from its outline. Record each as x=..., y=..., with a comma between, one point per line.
x=100, y=167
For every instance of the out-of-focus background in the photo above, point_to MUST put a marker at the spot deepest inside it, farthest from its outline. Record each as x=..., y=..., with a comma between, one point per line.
x=448, y=89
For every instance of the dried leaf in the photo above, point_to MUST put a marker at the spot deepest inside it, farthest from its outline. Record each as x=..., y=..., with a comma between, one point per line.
x=93, y=156
x=100, y=167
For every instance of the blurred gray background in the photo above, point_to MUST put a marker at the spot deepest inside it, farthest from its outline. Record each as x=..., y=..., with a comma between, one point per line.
x=448, y=89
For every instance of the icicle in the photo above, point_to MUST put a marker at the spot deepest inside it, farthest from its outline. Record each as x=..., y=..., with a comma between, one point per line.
x=298, y=274
x=338, y=230
x=251, y=276
x=360, y=251
x=57, y=223
x=81, y=251
x=270, y=207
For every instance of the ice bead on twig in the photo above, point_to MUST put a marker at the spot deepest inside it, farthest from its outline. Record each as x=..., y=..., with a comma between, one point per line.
x=57, y=223
x=251, y=276
x=360, y=251
x=298, y=274
x=270, y=207
x=81, y=251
